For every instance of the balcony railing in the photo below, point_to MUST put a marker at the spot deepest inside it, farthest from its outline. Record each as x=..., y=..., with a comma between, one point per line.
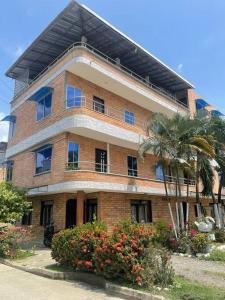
x=109, y=111
x=120, y=170
x=108, y=59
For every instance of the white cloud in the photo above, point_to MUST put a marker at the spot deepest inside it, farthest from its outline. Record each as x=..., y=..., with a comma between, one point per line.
x=179, y=67
x=4, y=128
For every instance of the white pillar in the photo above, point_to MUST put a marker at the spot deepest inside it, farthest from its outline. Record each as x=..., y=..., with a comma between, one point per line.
x=108, y=158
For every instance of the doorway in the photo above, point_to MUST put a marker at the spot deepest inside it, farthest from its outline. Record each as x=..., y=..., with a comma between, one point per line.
x=71, y=213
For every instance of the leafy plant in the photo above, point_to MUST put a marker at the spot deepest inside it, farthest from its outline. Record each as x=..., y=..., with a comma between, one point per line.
x=199, y=243
x=220, y=235
x=13, y=203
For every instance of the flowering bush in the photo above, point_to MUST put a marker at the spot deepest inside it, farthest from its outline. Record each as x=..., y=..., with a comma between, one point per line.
x=10, y=239
x=199, y=243
x=120, y=256
x=75, y=247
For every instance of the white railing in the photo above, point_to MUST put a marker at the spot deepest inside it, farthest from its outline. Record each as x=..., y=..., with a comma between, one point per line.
x=120, y=170
x=104, y=109
x=109, y=60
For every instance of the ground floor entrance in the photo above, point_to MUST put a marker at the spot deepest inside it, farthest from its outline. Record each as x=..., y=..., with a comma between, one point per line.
x=68, y=210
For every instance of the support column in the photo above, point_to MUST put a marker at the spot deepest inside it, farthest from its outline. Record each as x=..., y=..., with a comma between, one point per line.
x=80, y=207
x=108, y=158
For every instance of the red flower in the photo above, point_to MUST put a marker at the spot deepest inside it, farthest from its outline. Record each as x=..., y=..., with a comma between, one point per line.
x=87, y=263
x=80, y=262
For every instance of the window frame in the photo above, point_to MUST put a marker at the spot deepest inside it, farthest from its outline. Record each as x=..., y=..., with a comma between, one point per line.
x=8, y=177
x=128, y=119
x=46, y=204
x=81, y=97
x=134, y=172
x=36, y=152
x=98, y=106
x=78, y=154
x=12, y=129
x=38, y=102
x=140, y=203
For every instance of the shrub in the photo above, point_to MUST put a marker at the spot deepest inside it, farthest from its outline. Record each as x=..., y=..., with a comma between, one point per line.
x=120, y=256
x=220, y=235
x=10, y=239
x=157, y=268
x=75, y=247
x=199, y=243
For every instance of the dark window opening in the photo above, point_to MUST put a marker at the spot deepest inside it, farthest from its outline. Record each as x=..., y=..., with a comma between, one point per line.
x=141, y=211
x=71, y=213
x=132, y=166
x=46, y=213
x=90, y=210
x=98, y=105
x=100, y=160
x=184, y=206
x=73, y=151
x=9, y=170
x=27, y=219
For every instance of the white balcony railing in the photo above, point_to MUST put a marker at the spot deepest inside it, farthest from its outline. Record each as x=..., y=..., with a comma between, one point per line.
x=104, y=109
x=120, y=170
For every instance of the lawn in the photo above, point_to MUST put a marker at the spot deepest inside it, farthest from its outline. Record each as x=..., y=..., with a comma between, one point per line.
x=216, y=255
x=187, y=290
x=22, y=254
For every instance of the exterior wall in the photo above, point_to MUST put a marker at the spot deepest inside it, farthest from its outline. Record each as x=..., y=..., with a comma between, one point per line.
x=24, y=165
x=112, y=208
x=2, y=173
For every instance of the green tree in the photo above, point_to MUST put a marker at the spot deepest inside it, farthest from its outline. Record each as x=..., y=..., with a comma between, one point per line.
x=13, y=203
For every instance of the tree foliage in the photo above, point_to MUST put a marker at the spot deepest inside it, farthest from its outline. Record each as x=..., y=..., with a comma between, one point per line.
x=13, y=203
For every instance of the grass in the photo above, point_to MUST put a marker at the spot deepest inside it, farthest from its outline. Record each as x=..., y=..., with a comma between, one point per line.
x=22, y=254
x=59, y=268
x=213, y=273
x=215, y=255
x=184, y=289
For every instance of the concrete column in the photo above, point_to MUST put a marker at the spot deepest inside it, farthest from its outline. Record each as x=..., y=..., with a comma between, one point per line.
x=80, y=207
x=108, y=158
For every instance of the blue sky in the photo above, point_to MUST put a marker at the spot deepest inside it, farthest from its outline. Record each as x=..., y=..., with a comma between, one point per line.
x=187, y=35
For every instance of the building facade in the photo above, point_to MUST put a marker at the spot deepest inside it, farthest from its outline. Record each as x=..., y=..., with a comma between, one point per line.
x=84, y=93
x=3, y=147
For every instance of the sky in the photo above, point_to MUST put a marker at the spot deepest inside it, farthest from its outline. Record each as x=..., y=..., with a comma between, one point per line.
x=187, y=35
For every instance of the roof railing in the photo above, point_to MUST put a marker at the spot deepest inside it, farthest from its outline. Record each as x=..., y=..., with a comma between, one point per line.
x=120, y=170
x=109, y=60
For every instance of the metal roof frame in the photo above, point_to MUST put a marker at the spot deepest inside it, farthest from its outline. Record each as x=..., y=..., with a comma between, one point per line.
x=77, y=20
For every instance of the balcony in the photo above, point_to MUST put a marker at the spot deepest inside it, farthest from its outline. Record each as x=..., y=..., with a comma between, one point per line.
x=102, y=110
x=121, y=170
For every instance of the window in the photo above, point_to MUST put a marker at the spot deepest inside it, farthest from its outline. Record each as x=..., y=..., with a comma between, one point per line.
x=90, y=210
x=9, y=170
x=132, y=166
x=98, y=105
x=46, y=213
x=73, y=96
x=27, y=219
x=44, y=107
x=100, y=160
x=73, y=151
x=43, y=159
x=12, y=129
x=159, y=172
x=141, y=211
x=129, y=117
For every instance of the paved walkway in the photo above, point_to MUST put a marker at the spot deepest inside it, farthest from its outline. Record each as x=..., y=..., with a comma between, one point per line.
x=207, y=272
x=20, y=285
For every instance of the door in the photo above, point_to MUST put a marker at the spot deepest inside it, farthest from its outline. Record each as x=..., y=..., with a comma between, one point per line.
x=71, y=213
x=100, y=160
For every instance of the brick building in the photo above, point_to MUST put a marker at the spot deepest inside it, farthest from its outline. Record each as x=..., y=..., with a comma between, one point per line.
x=3, y=147
x=83, y=95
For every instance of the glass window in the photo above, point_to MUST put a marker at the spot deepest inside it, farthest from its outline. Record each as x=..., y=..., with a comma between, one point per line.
x=73, y=96
x=129, y=117
x=9, y=170
x=46, y=213
x=73, y=152
x=90, y=210
x=159, y=172
x=12, y=129
x=98, y=105
x=141, y=211
x=43, y=159
x=44, y=107
x=132, y=166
